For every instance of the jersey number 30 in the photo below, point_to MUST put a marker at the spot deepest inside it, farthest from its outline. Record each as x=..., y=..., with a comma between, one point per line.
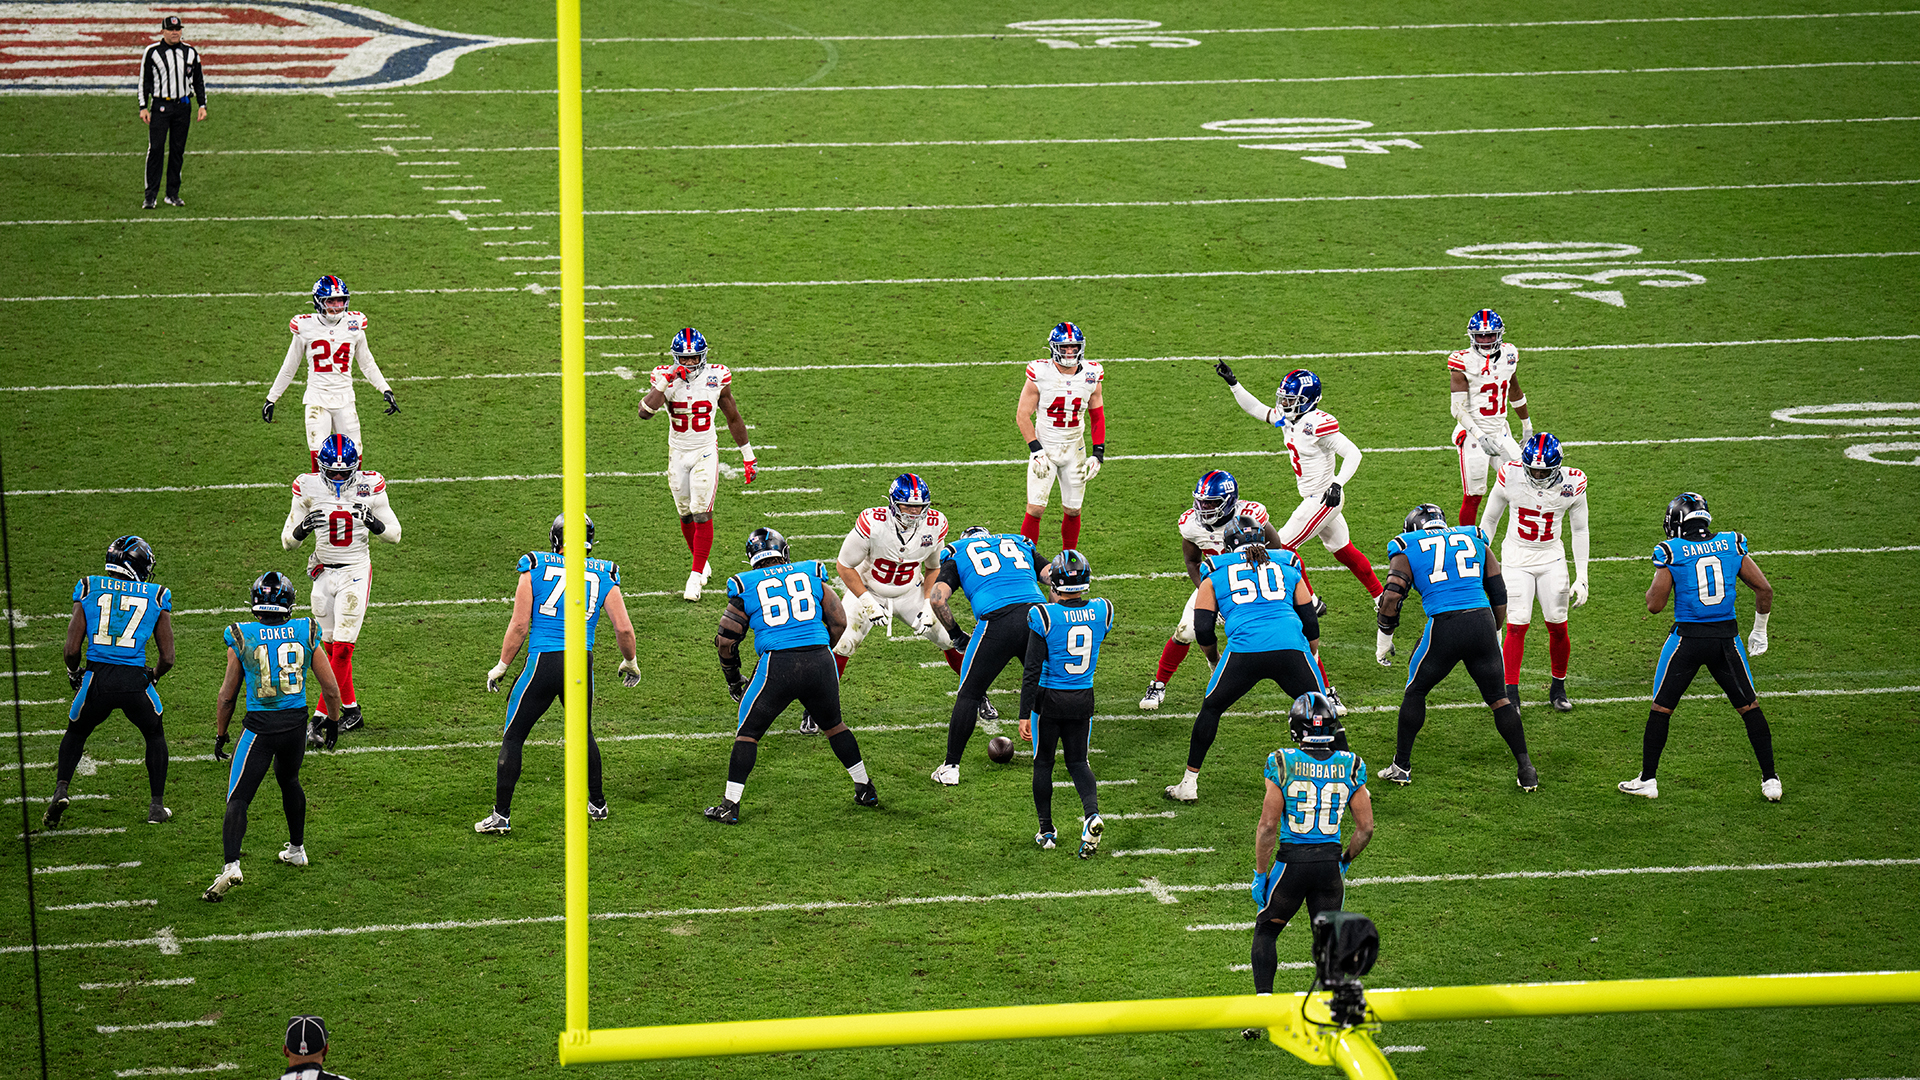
x=1312, y=808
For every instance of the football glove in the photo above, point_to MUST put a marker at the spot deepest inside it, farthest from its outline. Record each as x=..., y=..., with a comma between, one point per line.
x=1526, y=430
x=1332, y=497
x=329, y=733
x=1089, y=469
x=1260, y=887
x=923, y=623
x=1344, y=863
x=266, y=412
x=659, y=380
x=219, y=749
x=1221, y=369
x=630, y=673
x=76, y=676
x=365, y=515
x=392, y=405
x=751, y=472
x=1579, y=593
x=1383, y=648
x=494, y=676
x=872, y=609
x=1042, y=465
x=152, y=676
x=1490, y=445
x=310, y=524
x=1757, y=641
x=680, y=372
x=736, y=689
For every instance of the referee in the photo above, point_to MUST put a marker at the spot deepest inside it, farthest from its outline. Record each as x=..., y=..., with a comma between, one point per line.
x=170, y=83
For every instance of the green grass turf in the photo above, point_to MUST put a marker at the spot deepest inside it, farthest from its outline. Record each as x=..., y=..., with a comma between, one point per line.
x=389, y=830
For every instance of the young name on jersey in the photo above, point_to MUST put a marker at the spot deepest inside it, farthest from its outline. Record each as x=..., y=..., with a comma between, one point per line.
x=1063, y=399
x=1073, y=636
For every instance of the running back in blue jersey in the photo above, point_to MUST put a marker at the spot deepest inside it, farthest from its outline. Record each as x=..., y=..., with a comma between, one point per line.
x=784, y=604
x=995, y=571
x=1256, y=602
x=1317, y=792
x=275, y=660
x=1704, y=573
x=1449, y=567
x=120, y=616
x=1073, y=634
x=548, y=630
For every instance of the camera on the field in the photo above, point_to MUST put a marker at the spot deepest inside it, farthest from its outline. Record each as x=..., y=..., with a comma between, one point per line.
x=1345, y=946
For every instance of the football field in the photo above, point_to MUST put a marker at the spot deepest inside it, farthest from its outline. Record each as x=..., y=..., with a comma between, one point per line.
x=1696, y=220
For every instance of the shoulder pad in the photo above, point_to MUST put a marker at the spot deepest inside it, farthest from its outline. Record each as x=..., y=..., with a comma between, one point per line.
x=1740, y=543
x=725, y=373
x=1094, y=368
x=1255, y=510
x=1458, y=360
x=1322, y=423
x=1185, y=516
x=374, y=480
x=1481, y=535
x=863, y=523
x=359, y=316
x=1500, y=474
x=935, y=521
x=81, y=588
x=1033, y=370
x=293, y=324
x=166, y=599
x=1397, y=546
x=1037, y=618
x=527, y=562
x=231, y=635
x=663, y=369
x=1291, y=556
x=1206, y=564
x=613, y=572
x=734, y=588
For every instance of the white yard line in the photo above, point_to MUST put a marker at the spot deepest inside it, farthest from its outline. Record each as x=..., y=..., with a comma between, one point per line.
x=1163, y=851
x=73, y=832
x=89, y=866
x=158, y=1025
x=113, y=904
x=15, y=801
x=1101, y=783
x=176, y=1070
x=133, y=983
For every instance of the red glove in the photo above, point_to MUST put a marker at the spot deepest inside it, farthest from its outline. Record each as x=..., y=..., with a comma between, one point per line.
x=750, y=470
x=680, y=372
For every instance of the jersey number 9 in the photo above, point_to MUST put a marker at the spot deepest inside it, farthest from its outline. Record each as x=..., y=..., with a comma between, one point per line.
x=1080, y=647
x=796, y=605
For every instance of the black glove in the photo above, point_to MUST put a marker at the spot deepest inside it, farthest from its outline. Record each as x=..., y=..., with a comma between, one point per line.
x=1221, y=369
x=310, y=524
x=219, y=749
x=329, y=732
x=152, y=676
x=369, y=519
x=1332, y=497
x=736, y=690
x=75, y=677
x=961, y=639
x=266, y=412
x=392, y=405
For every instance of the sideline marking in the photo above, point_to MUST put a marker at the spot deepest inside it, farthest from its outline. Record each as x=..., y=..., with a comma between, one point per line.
x=74, y=832
x=15, y=801
x=1163, y=851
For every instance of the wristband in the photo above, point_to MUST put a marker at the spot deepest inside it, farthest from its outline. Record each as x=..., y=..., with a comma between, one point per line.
x=1100, y=451
x=1760, y=621
x=1496, y=588
x=1033, y=446
x=746, y=451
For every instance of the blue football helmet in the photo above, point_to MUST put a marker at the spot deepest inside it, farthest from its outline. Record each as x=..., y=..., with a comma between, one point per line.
x=1067, y=344
x=1298, y=395
x=1424, y=518
x=130, y=557
x=1071, y=572
x=558, y=533
x=909, y=496
x=690, y=348
x=1688, y=517
x=1313, y=720
x=339, y=464
x=1541, y=459
x=1241, y=532
x=766, y=545
x=330, y=297
x=1485, y=330
x=273, y=594
x=1216, y=498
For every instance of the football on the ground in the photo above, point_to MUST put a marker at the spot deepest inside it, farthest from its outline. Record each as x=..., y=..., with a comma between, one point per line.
x=1000, y=749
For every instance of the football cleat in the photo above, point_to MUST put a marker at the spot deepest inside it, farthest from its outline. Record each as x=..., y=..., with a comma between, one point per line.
x=909, y=497
x=1298, y=395
x=1067, y=344
x=1319, y=607
x=1424, y=518
x=157, y=814
x=1557, y=696
x=314, y=739
x=947, y=774
x=808, y=725
x=987, y=711
x=1528, y=778
x=149, y=203
x=1313, y=721
x=350, y=720
x=1071, y=572
x=175, y=200
x=1187, y=790
x=727, y=813
x=558, y=533
x=695, y=582
x=1047, y=840
x=865, y=795
x=339, y=464
x=1688, y=517
x=1541, y=460
x=229, y=877
x=1090, y=836
x=1216, y=498
x=1339, y=707
x=596, y=811
x=1156, y=693
x=1646, y=788
x=273, y=594
x=1485, y=330
x=765, y=544
x=130, y=557
x=56, y=806
x=293, y=854
x=1397, y=773
x=1771, y=789
x=495, y=822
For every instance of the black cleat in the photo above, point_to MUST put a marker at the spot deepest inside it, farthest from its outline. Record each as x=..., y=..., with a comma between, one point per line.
x=56, y=806
x=175, y=200
x=315, y=740
x=157, y=814
x=864, y=795
x=349, y=720
x=728, y=812
x=149, y=203
x=1529, y=778
x=1557, y=695
x=987, y=711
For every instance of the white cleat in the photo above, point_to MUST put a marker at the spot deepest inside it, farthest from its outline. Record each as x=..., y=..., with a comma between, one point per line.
x=947, y=774
x=1771, y=789
x=695, y=582
x=1156, y=693
x=494, y=823
x=1339, y=707
x=1187, y=790
x=1650, y=789
x=1090, y=836
x=293, y=854
x=229, y=877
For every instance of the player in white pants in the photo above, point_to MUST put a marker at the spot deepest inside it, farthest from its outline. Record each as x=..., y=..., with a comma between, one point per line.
x=1059, y=392
x=690, y=390
x=1547, y=501
x=1484, y=381
x=329, y=341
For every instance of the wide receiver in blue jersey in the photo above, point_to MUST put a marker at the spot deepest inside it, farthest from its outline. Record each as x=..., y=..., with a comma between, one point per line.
x=1698, y=567
x=1459, y=582
x=539, y=620
x=1297, y=857
x=1056, y=692
x=114, y=614
x=1001, y=577
x=794, y=619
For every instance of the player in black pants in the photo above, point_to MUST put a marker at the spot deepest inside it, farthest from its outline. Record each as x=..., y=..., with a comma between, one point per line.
x=1001, y=575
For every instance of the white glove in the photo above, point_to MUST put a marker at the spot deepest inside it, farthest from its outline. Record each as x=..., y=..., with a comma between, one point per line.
x=923, y=623
x=493, y=677
x=1089, y=469
x=630, y=673
x=1757, y=641
x=872, y=610
x=658, y=381
x=1042, y=465
x=1526, y=431
x=1579, y=593
x=1491, y=446
x=1383, y=648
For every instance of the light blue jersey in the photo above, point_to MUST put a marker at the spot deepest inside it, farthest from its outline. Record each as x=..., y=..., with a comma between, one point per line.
x=1073, y=634
x=1317, y=792
x=548, y=630
x=1256, y=602
x=1449, y=567
x=275, y=660
x=120, y=614
x=995, y=571
x=1704, y=575
x=784, y=604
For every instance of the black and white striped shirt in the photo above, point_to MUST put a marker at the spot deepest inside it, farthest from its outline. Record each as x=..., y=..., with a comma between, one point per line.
x=171, y=71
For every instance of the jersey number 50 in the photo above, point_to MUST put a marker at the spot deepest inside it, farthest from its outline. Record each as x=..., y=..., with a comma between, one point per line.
x=1264, y=582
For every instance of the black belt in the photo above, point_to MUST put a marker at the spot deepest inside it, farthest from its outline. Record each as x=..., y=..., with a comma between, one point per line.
x=334, y=566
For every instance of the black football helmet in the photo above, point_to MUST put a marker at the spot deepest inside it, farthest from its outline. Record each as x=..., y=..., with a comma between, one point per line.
x=766, y=545
x=973, y=531
x=1423, y=517
x=558, y=533
x=1313, y=720
x=273, y=594
x=1071, y=572
x=1688, y=517
x=1241, y=532
x=130, y=557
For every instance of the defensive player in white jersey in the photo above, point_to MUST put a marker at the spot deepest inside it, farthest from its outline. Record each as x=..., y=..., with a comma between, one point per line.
x=1059, y=393
x=1547, y=501
x=340, y=506
x=690, y=389
x=1484, y=384
x=329, y=342
x=1314, y=443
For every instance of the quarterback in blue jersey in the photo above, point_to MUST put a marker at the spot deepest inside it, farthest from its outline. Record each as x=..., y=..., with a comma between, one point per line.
x=114, y=615
x=1001, y=577
x=539, y=620
x=271, y=656
x=794, y=618
x=1698, y=568
x=1465, y=598
x=1297, y=857
x=1262, y=597
x=1056, y=692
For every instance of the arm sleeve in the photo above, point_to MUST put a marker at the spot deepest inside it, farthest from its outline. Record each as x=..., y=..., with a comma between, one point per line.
x=287, y=367
x=1577, y=526
x=1349, y=457
x=1251, y=405
x=295, y=514
x=949, y=574
x=369, y=368
x=1030, y=676
x=1458, y=406
x=380, y=508
x=1495, y=506
x=146, y=77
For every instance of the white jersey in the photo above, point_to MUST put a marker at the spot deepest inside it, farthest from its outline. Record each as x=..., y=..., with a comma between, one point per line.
x=888, y=562
x=1312, y=442
x=1064, y=400
x=1488, y=383
x=328, y=352
x=342, y=539
x=1538, y=520
x=691, y=405
x=1212, y=542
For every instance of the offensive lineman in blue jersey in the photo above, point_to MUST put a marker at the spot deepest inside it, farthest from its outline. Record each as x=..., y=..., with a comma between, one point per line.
x=1465, y=598
x=1698, y=568
x=543, y=626
x=1001, y=576
x=272, y=655
x=1309, y=791
x=113, y=616
x=795, y=619
x=1056, y=685
x=1268, y=608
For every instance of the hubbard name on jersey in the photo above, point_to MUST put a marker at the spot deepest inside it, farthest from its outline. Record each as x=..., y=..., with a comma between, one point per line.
x=889, y=563
x=1312, y=444
x=1488, y=382
x=1211, y=541
x=342, y=541
x=691, y=404
x=1063, y=401
x=330, y=351
x=1538, y=519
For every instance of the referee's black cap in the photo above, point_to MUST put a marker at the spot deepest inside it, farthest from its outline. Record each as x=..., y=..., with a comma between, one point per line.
x=306, y=1035
x=171, y=22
